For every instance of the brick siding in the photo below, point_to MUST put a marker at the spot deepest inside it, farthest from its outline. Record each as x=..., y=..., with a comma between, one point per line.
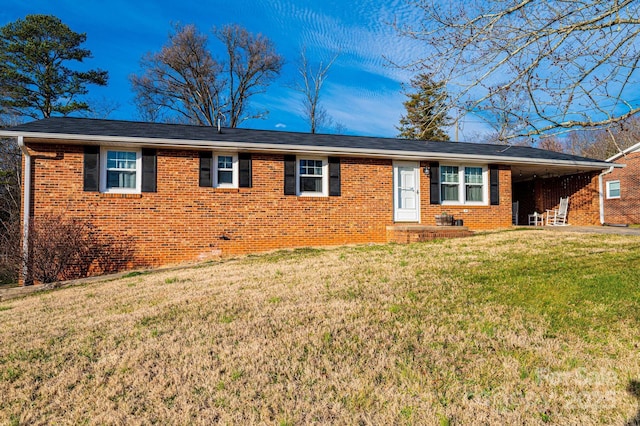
x=626, y=209
x=184, y=222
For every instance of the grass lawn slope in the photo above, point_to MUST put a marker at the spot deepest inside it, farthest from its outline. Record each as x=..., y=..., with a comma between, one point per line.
x=522, y=327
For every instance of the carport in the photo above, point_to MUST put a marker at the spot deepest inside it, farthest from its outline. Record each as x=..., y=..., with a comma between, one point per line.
x=538, y=188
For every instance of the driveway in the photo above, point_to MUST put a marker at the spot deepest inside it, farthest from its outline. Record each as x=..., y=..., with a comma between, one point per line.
x=617, y=230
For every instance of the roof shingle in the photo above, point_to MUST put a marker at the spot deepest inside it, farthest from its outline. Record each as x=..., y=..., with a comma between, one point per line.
x=132, y=129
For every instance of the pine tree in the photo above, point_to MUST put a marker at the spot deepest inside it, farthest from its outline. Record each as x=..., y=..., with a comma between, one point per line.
x=35, y=80
x=426, y=111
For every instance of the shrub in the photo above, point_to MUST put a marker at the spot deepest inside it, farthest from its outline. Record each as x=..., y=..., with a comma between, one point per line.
x=9, y=251
x=64, y=249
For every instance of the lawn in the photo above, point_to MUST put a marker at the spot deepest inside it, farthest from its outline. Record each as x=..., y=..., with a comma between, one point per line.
x=520, y=327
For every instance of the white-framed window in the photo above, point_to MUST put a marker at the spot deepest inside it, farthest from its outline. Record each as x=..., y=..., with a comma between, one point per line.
x=120, y=170
x=312, y=176
x=450, y=183
x=225, y=170
x=467, y=185
x=613, y=189
x=473, y=185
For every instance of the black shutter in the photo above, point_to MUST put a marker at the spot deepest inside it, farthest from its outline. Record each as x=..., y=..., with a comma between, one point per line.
x=494, y=186
x=289, y=175
x=334, y=176
x=206, y=163
x=244, y=160
x=434, y=183
x=149, y=167
x=91, y=168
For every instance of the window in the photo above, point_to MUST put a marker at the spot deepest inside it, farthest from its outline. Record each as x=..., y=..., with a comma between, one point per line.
x=312, y=176
x=473, y=184
x=120, y=170
x=226, y=171
x=613, y=189
x=463, y=185
x=450, y=183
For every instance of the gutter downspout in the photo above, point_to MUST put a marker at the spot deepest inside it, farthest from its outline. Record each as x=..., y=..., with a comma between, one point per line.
x=601, y=193
x=26, y=210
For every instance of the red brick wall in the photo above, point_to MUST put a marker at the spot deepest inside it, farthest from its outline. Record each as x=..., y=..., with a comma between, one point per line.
x=542, y=194
x=474, y=217
x=626, y=209
x=184, y=222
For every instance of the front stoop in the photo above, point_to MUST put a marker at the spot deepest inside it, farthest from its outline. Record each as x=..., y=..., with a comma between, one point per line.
x=404, y=234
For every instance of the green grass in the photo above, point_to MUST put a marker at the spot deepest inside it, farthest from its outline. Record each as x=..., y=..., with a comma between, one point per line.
x=281, y=255
x=135, y=274
x=576, y=287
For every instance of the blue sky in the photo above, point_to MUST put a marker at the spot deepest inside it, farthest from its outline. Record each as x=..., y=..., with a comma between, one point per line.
x=362, y=92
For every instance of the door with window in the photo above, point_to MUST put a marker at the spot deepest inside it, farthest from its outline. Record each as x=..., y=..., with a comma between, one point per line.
x=406, y=192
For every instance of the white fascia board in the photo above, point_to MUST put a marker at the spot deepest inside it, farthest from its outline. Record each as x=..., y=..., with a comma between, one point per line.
x=633, y=148
x=300, y=149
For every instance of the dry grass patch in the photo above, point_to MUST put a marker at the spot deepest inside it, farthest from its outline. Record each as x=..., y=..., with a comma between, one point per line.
x=516, y=327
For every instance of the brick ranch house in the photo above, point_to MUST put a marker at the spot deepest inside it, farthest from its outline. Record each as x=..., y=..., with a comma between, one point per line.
x=620, y=189
x=186, y=193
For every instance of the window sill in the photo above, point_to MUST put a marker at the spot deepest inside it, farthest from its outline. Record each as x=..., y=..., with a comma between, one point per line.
x=466, y=206
x=119, y=195
x=312, y=197
x=313, y=194
x=228, y=190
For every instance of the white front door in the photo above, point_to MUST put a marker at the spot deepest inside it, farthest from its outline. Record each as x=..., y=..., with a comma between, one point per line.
x=406, y=192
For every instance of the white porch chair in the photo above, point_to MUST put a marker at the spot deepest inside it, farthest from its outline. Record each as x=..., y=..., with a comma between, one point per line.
x=514, y=212
x=558, y=217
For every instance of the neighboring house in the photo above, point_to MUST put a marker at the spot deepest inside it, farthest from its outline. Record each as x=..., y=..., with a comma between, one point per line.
x=621, y=188
x=185, y=193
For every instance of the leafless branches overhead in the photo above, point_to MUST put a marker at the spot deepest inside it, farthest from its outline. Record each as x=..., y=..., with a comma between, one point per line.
x=182, y=78
x=183, y=81
x=572, y=64
x=311, y=79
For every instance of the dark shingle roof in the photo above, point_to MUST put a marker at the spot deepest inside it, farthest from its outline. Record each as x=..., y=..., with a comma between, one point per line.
x=131, y=129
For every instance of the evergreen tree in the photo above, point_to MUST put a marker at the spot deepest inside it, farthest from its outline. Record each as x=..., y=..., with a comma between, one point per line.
x=426, y=111
x=35, y=80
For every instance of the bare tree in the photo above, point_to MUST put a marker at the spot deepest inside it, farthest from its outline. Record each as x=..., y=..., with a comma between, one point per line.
x=502, y=113
x=551, y=143
x=311, y=80
x=10, y=165
x=184, y=83
x=576, y=63
x=252, y=64
x=602, y=144
x=101, y=107
x=338, y=128
x=10, y=196
x=182, y=78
